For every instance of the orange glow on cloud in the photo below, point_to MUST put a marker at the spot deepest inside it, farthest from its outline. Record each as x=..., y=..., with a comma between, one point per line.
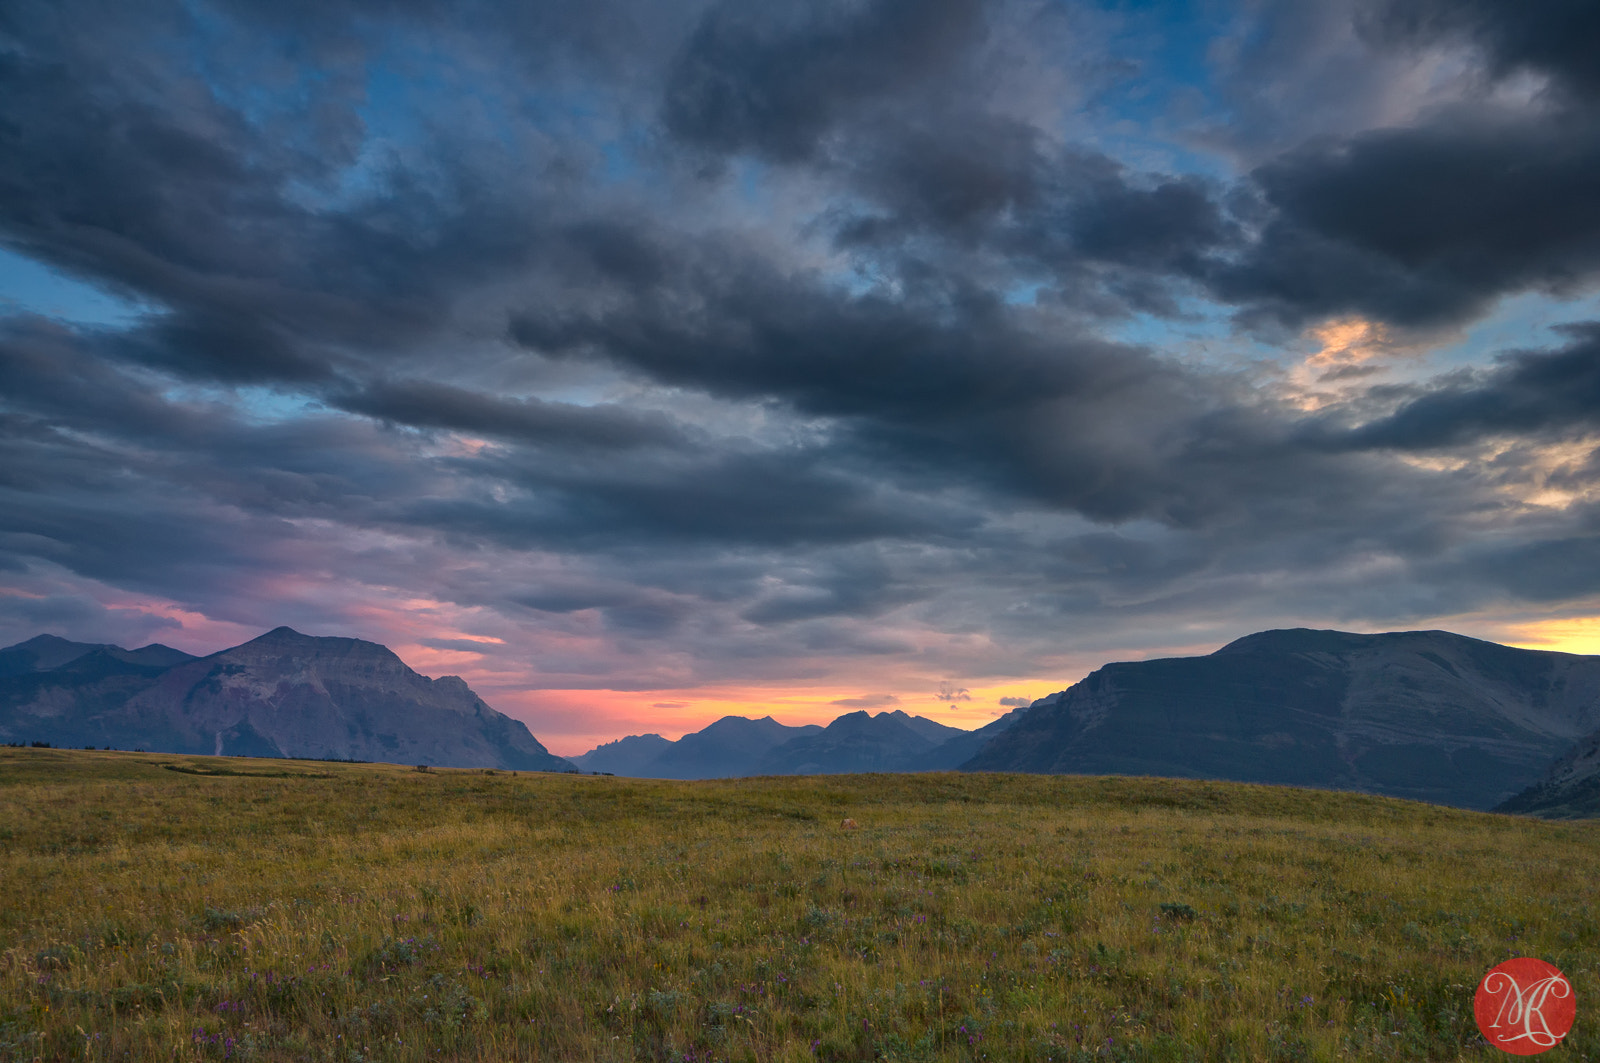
x=1350, y=351
x=1348, y=341
x=200, y=634
x=433, y=661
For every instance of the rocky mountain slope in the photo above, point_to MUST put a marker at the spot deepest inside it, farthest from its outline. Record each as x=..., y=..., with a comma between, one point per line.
x=1569, y=790
x=964, y=745
x=283, y=694
x=1427, y=715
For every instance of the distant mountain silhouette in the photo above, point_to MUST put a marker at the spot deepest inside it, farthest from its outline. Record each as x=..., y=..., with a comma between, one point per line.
x=1427, y=715
x=283, y=694
x=625, y=756
x=730, y=747
x=859, y=742
x=739, y=746
x=964, y=745
x=45, y=652
x=733, y=746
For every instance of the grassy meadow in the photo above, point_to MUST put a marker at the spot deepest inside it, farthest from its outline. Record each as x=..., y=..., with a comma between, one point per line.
x=157, y=907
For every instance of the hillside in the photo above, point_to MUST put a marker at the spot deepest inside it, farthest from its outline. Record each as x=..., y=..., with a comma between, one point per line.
x=281, y=695
x=1426, y=715
x=1569, y=790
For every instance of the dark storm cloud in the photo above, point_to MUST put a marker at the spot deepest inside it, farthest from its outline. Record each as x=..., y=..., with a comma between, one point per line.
x=946, y=386
x=780, y=498
x=425, y=404
x=860, y=584
x=773, y=79
x=1545, y=570
x=1427, y=223
x=1423, y=225
x=140, y=175
x=996, y=185
x=734, y=323
x=931, y=178
x=1430, y=221
x=1554, y=37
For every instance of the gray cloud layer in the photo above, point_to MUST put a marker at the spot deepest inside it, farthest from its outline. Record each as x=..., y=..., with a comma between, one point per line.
x=719, y=335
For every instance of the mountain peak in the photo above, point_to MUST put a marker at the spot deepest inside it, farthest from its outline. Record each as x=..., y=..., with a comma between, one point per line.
x=282, y=633
x=39, y=642
x=42, y=653
x=288, y=642
x=1296, y=640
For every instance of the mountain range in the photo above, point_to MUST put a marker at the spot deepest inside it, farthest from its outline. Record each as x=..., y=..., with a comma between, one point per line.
x=281, y=695
x=855, y=742
x=1427, y=715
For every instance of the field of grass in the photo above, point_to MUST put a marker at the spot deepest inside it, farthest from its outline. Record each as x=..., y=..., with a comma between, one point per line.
x=280, y=910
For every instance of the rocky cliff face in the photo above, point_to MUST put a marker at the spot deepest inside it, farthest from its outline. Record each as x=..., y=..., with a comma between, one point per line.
x=1427, y=715
x=283, y=694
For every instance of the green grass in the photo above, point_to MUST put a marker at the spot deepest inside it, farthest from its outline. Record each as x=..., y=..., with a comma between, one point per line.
x=330, y=911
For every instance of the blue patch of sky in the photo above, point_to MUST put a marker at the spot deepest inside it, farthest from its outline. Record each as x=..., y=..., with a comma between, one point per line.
x=389, y=126
x=620, y=165
x=751, y=180
x=254, y=405
x=1140, y=116
x=1528, y=321
x=30, y=287
x=1201, y=332
x=260, y=405
x=1022, y=293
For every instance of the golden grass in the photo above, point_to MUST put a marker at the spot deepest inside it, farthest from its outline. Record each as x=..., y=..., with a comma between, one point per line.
x=331, y=911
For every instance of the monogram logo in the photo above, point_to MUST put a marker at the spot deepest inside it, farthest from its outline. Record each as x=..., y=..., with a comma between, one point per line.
x=1524, y=1006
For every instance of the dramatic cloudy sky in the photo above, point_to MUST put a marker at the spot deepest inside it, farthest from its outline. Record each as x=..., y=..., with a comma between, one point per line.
x=644, y=361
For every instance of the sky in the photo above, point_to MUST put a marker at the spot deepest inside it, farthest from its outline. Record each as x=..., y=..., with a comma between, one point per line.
x=649, y=361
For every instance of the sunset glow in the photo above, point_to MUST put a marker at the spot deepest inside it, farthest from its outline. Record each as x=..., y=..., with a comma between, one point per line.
x=1578, y=634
